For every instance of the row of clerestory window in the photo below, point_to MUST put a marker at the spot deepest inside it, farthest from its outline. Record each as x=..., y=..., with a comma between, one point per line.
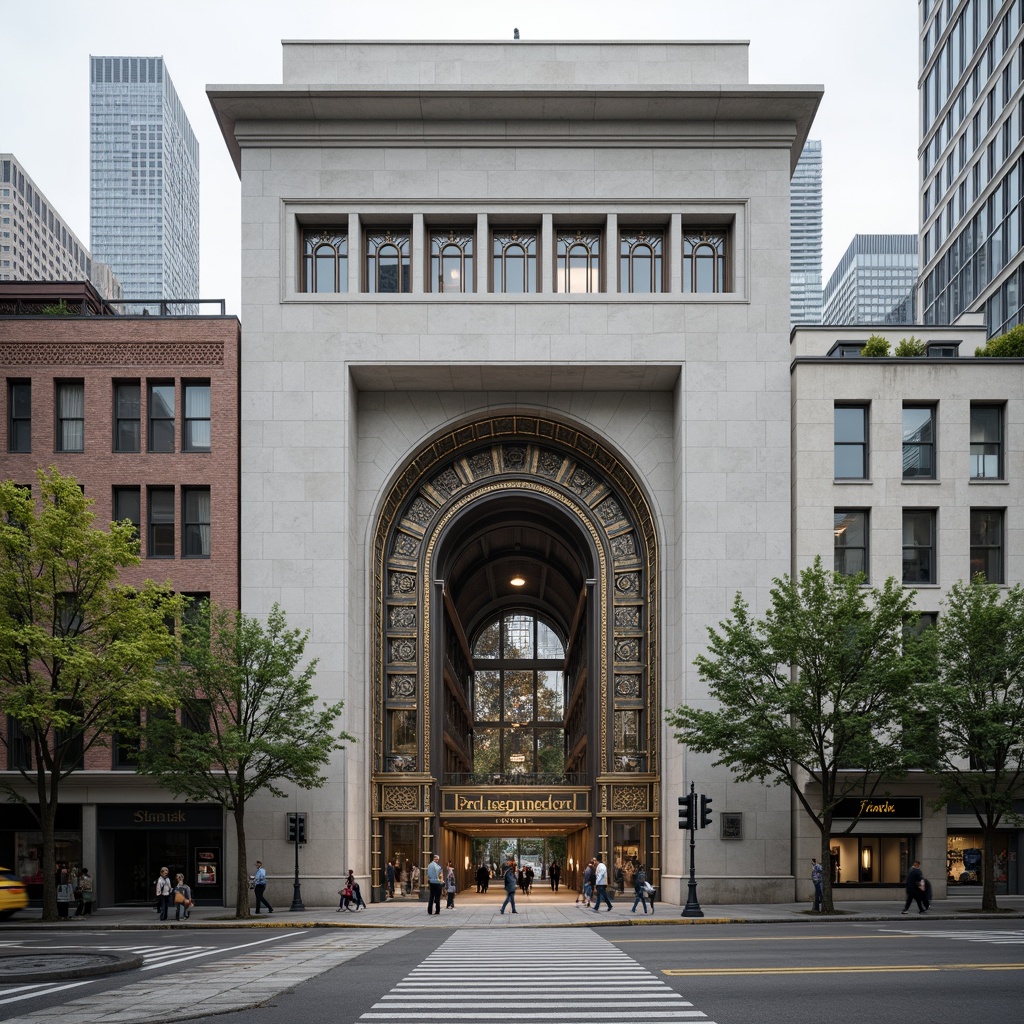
x=515, y=266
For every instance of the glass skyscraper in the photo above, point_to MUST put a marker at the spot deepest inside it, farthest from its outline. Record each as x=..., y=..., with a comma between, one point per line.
x=873, y=282
x=972, y=161
x=805, y=237
x=144, y=179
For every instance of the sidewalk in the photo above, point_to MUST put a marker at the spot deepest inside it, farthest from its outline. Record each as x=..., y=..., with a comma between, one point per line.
x=542, y=909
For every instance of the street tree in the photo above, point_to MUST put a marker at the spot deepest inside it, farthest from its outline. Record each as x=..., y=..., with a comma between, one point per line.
x=80, y=652
x=249, y=718
x=814, y=691
x=971, y=716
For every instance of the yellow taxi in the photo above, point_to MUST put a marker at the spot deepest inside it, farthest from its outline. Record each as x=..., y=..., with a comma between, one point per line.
x=13, y=893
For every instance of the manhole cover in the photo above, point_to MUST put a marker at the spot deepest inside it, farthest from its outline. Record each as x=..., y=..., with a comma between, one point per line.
x=41, y=966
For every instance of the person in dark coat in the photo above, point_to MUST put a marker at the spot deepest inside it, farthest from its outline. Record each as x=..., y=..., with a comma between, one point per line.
x=510, y=887
x=916, y=887
x=554, y=873
x=483, y=876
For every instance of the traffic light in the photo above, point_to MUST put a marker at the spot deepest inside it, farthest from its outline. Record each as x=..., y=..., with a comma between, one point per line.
x=686, y=811
x=297, y=828
x=705, y=811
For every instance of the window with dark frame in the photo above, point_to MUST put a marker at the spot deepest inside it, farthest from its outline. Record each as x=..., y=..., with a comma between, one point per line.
x=19, y=416
x=161, y=417
x=850, y=440
x=451, y=261
x=850, y=531
x=919, y=442
x=196, y=520
x=127, y=416
x=641, y=267
x=161, y=522
x=387, y=262
x=128, y=505
x=919, y=545
x=197, y=416
x=578, y=261
x=705, y=261
x=324, y=260
x=986, y=532
x=70, y=416
x=986, y=441
x=514, y=255
x=19, y=746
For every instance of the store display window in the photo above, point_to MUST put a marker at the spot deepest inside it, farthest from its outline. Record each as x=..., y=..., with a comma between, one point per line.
x=964, y=858
x=870, y=860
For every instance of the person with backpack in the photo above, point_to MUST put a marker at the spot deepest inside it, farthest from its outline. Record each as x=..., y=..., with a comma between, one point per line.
x=182, y=898
x=640, y=889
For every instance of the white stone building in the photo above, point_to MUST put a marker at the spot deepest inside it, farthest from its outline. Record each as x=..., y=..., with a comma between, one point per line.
x=516, y=310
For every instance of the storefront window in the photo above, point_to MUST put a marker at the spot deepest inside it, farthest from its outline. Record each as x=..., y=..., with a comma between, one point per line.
x=871, y=860
x=627, y=850
x=28, y=852
x=964, y=858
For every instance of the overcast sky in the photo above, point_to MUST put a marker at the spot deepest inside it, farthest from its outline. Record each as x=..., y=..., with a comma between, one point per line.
x=865, y=54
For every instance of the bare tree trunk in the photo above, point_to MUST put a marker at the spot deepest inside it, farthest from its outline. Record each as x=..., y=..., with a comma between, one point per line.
x=242, y=880
x=825, y=860
x=48, y=827
x=988, y=863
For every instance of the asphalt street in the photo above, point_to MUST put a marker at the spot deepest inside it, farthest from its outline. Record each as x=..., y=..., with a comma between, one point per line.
x=906, y=970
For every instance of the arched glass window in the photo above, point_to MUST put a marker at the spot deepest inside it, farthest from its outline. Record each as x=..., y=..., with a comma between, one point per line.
x=451, y=261
x=579, y=262
x=324, y=260
x=518, y=699
x=640, y=262
x=704, y=262
x=387, y=262
x=515, y=262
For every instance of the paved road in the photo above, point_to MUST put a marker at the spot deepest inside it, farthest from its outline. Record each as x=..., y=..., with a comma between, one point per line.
x=905, y=970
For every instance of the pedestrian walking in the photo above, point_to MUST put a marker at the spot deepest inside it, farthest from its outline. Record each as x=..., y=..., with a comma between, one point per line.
x=640, y=889
x=554, y=874
x=511, y=883
x=620, y=879
x=65, y=892
x=389, y=881
x=259, y=887
x=163, y=892
x=182, y=898
x=414, y=880
x=816, y=876
x=482, y=877
x=435, y=880
x=85, y=897
x=601, y=886
x=351, y=896
x=916, y=887
x=449, y=886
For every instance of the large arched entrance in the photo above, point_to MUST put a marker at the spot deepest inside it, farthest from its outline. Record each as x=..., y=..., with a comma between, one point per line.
x=515, y=689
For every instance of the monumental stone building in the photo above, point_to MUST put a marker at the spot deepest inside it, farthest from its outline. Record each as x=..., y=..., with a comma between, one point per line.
x=515, y=429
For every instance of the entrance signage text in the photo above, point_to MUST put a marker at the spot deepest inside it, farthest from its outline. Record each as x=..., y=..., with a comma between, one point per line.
x=879, y=807
x=526, y=803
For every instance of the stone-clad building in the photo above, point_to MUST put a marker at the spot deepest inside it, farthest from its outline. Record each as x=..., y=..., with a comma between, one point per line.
x=515, y=429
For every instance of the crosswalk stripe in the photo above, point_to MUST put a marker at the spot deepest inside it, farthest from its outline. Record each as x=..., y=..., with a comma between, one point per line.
x=623, y=990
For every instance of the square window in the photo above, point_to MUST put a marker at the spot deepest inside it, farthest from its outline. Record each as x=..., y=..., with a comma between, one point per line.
x=918, y=442
x=161, y=417
x=19, y=416
x=850, y=530
x=196, y=537
x=987, y=543
x=850, y=433
x=71, y=416
x=919, y=546
x=161, y=522
x=127, y=417
x=197, y=417
x=986, y=442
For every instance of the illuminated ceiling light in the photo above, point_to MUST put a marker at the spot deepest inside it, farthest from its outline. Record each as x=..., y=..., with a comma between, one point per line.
x=517, y=580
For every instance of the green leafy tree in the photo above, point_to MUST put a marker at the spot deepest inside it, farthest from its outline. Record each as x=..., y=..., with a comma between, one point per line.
x=972, y=709
x=79, y=651
x=249, y=718
x=909, y=347
x=876, y=346
x=815, y=691
x=1008, y=346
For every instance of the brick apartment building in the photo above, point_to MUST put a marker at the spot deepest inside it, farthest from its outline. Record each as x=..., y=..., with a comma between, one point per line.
x=143, y=411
